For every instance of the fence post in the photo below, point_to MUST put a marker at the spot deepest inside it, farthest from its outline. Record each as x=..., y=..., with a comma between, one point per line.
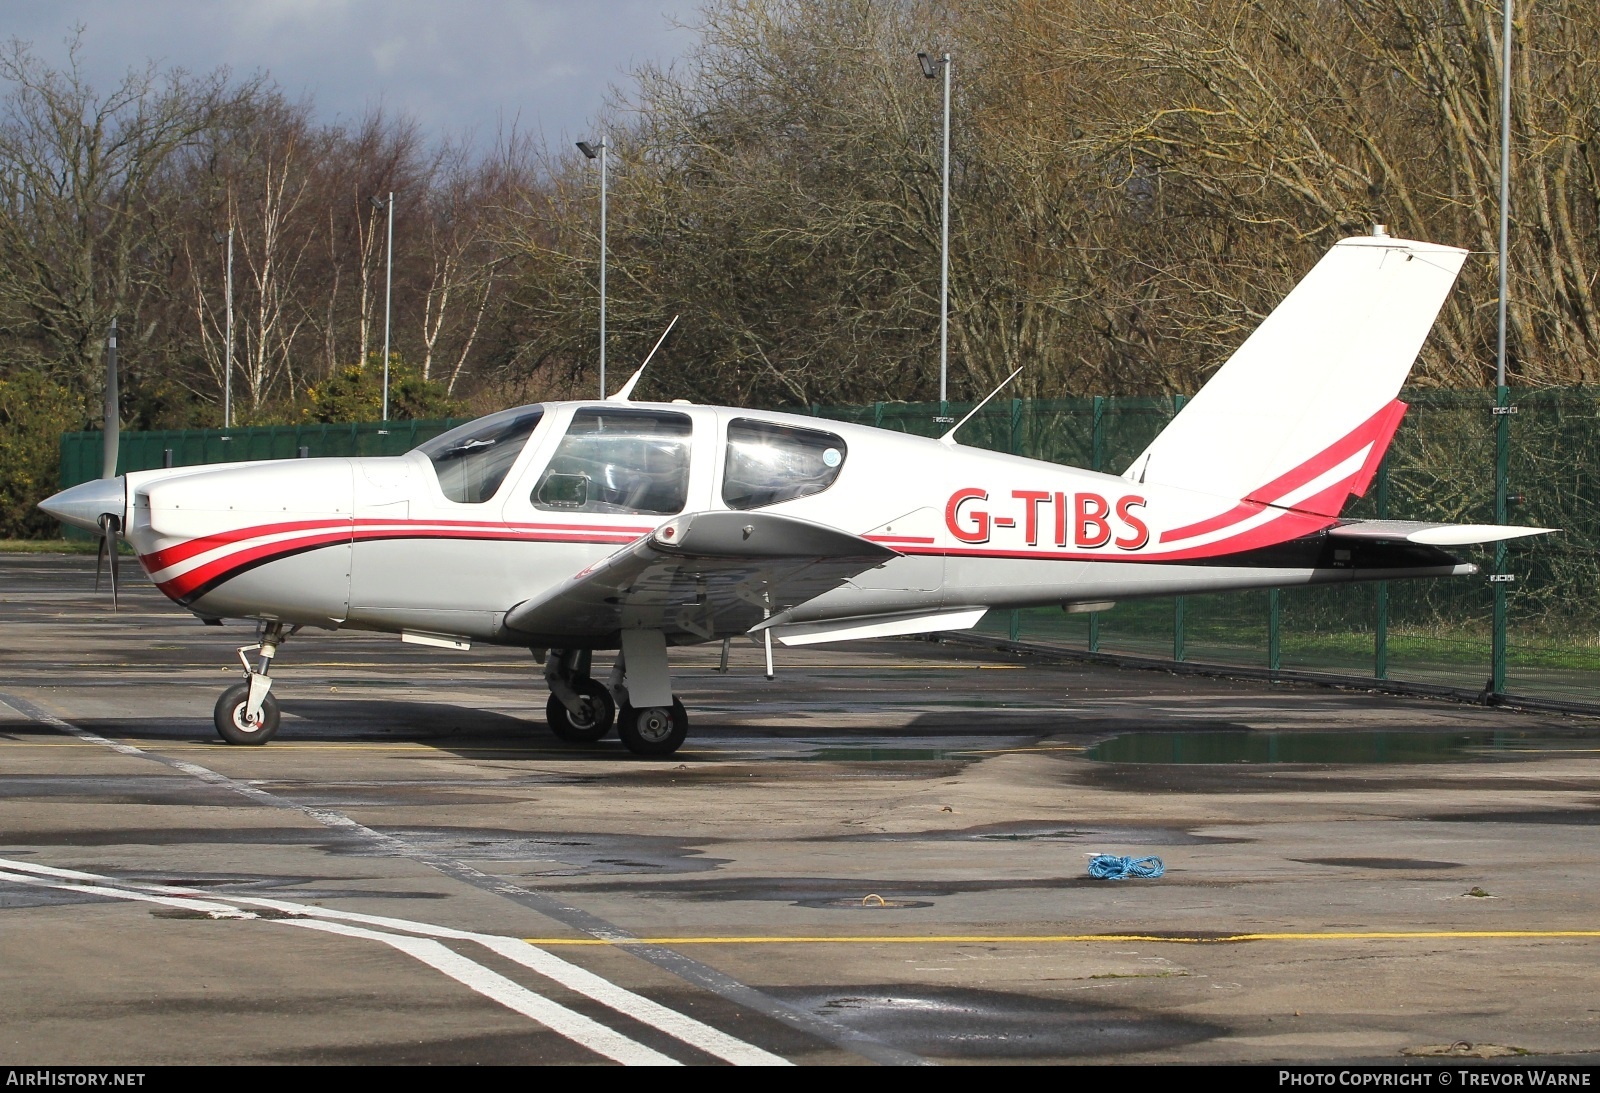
x=1177, y=601
x=1013, y=447
x=1274, y=629
x=1502, y=468
x=1096, y=461
x=1096, y=447
x=877, y=415
x=1380, y=632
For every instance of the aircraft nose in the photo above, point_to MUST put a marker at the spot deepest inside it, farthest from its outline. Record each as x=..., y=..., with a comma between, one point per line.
x=83, y=505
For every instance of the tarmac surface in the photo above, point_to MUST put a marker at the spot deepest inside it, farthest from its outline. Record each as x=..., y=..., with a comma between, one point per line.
x=878, y=857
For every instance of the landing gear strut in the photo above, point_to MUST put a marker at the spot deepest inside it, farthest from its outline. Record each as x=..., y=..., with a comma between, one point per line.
x=580, y=710
x=247, y=713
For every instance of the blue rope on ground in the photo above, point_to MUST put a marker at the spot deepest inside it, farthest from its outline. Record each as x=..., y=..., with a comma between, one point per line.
x=1111, y=867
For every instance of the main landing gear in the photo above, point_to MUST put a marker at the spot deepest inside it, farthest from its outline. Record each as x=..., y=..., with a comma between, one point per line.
x=247, y=713
x=650, y=720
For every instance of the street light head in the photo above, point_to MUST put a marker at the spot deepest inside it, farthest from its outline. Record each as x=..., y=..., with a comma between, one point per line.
x=219, y=237
x=930, y=67
x=379, y=203
x=588, y=149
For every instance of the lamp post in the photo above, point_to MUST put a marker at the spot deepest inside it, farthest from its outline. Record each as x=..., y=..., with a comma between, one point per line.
x=227, y=343
x=931, y=69
x=227, y=336
x=388, y=289
x=1502, y=394
x=591, y=151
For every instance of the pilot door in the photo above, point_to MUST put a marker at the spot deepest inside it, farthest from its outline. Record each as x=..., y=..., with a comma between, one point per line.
x=613, y=474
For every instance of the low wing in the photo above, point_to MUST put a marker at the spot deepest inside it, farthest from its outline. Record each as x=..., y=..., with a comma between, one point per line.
x=1439, y=535
x=702, y=576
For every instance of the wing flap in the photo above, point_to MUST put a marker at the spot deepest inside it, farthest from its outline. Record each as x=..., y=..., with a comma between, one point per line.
x=698, y=577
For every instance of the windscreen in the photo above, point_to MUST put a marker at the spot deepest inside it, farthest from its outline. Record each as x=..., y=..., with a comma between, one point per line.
x=768, y=463
x=472, y=461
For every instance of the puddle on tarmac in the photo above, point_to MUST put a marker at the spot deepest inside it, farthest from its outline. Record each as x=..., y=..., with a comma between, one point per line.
x=888, y=755
x=1246, y=746
x=965, y=1023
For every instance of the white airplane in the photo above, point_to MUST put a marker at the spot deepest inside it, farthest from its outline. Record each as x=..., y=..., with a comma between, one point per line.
x=574, y=527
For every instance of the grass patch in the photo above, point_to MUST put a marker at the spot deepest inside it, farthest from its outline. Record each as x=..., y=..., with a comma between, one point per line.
x=51, y=546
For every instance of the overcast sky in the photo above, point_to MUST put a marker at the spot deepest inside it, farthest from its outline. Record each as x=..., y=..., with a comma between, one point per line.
x=455, y=66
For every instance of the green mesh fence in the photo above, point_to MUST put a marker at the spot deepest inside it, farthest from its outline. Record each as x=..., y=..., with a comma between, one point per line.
x=1440, y=467
x=81, y=452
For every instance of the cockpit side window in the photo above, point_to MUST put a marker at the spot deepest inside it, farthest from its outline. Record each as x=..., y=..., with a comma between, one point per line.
x=768, y=463
x=623, y=461
x=472, y=460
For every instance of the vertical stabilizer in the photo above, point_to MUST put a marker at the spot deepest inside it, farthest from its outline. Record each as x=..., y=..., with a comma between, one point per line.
x=1300, y=415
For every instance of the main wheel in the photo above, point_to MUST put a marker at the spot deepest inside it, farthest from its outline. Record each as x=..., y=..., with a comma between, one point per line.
x=583, y=730
x=654, y=730
x=230, y=719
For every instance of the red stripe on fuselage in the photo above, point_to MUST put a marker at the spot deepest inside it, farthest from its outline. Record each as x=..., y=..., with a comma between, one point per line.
x=218, y=569
x=1240, y=512
x=157, y=560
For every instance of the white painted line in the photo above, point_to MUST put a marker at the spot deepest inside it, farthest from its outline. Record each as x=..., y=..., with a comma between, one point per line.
x=215, y=910
x=574, y=1026
x=680, y=1026
x=496, y=987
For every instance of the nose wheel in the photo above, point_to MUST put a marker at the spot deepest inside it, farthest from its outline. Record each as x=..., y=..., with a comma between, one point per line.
x=237, y=725
x=653, y=730
x=247, y=713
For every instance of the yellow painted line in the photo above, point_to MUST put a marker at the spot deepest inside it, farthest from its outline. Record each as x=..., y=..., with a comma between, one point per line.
x=156, y=747
x=1067, y=939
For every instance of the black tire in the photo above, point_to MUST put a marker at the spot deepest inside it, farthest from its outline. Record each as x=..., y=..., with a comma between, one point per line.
x=655, y=730
x=577, y=731
x=230, y=722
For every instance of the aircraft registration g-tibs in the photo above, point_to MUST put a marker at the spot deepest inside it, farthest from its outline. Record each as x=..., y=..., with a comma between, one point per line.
x=574, y=527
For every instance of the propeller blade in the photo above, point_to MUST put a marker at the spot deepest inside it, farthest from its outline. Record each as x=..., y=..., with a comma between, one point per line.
x=100, y=557
x=113, y=530
x=111, y=424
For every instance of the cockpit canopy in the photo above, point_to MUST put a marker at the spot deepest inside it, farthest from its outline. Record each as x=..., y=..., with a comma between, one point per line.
x=633, y=459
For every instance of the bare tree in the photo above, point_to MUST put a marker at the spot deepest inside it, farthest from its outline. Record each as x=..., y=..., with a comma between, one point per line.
x=85, y=215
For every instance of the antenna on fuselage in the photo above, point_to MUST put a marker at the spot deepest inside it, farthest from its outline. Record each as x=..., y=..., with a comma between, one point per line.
x=633, y=380
x=950, y=437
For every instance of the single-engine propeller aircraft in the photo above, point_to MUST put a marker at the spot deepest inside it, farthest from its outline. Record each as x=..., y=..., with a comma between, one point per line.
x=574, y=527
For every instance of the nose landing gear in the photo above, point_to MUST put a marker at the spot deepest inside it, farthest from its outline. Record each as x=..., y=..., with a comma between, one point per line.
x=247, y=713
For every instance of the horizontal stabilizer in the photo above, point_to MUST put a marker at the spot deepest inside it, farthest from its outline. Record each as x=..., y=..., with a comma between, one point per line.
x=877, y=626
x=1439, y=535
